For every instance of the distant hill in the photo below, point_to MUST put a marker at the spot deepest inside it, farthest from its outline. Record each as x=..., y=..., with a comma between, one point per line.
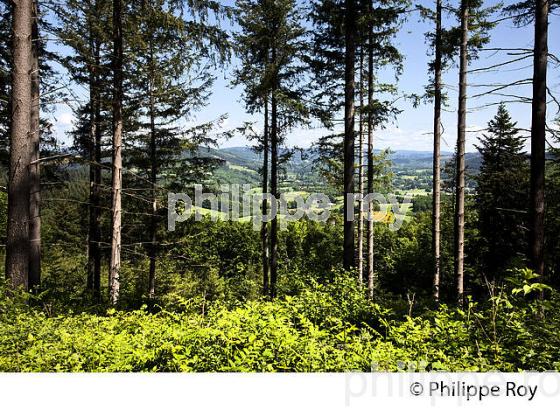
x=412, y=169
x=239, y=156
x=247, y=157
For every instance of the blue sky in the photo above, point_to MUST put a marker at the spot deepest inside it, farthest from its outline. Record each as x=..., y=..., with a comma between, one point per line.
x=412, y=129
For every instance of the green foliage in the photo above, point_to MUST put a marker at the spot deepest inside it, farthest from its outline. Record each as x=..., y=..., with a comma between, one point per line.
x=327, y=54
x=208, y=313
x=525, y=280
x=553, y=213
x=327, y=328
x=523, y=12
x=502, y=195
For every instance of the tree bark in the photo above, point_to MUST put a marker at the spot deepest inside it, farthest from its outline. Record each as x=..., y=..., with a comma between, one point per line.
x=361, y=176
x=538, y=138
x=116, y=208
x=94, y=229
x=274, y=186
x=153, y=182
x=436, y=182
x=349, y=93
x=460, y=183
x=34, y=167
x=96, y=199
x=17, y=236
x=92, y=166
x=371, y=274
x=264, y=225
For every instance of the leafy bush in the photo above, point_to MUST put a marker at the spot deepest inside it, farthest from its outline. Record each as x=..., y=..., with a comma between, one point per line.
x=327, y=328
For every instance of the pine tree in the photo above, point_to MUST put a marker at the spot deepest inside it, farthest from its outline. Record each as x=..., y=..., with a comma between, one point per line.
x=538, y=12
x=473, y=34
x=252, y=73
x=5, y=81
x=436, y=67
x=17, y=244
x=460, y=155
x=436, y=191
x=272, y=50
x=116, y=184
x=34, y=166
x=350, y=22
x=170, y=84
x=501, y=194
x=375, y=25
x=83, y=26
x=552, y=249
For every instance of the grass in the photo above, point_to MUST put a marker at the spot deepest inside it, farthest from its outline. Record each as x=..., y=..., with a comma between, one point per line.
x=242, y=168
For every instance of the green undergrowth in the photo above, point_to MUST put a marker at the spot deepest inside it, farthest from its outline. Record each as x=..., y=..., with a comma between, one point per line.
x=326, y=328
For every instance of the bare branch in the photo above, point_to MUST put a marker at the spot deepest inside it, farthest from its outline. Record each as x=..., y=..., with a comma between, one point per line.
x=499, y=64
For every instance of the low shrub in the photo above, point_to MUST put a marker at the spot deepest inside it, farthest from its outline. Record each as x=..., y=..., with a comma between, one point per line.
x=323, y=329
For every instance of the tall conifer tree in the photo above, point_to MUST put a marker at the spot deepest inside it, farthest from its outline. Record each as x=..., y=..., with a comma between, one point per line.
x=171, y=83
x=17, y=244
x=502, y=194
x=474, y=24
x=83, y=26
x=537, y=12
x=117, y=145
x=272, y=47
x=375, y=27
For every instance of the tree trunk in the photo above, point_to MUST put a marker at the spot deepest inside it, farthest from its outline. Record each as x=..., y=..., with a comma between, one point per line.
x=116, y=207
x=94, y=230
x=96, y=199
x=538, y=138
x=34, y=167
x=460, y=183
x=371, y=277
x=436, y=187
x=361, y=176
x=92, y=166
x=153, y=182
x=264, y=225
x=349, y=92
x=274, y=189
x=17, y=236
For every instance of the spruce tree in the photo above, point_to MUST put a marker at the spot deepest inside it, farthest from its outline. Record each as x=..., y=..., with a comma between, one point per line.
x=34, y=165
x=272, y=49
x=379, y=26
x=502, y=194
x=44, y=90
x=170, y=84
x=5, y=81
x=83, y=26
x=472, y=34
x=334, y=55
x=538, y=136
x=255, y=60
x=553, y=210
x=17, y=242
x=435, y=90
x=117, y=68
x=436, y=191
x=350, y=34
x=537, y=12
